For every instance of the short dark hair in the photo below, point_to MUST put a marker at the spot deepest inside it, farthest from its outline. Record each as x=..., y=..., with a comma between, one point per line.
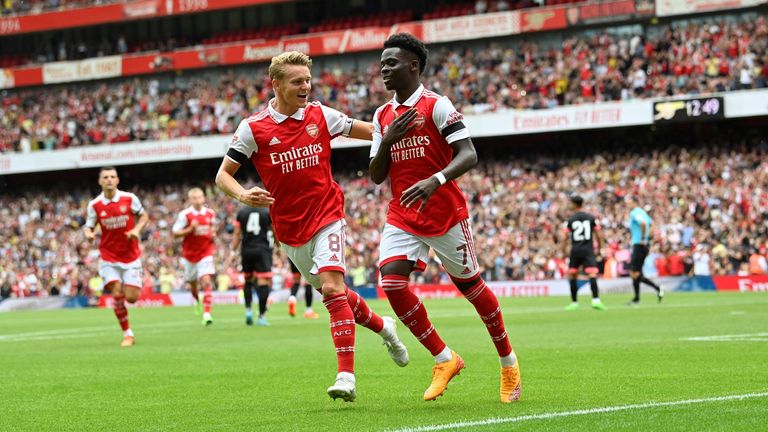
x=409, y=43
x=577, y=199
x=107, y=168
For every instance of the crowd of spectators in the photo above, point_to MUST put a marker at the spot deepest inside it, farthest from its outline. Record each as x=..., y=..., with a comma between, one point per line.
x=682, y=60
x=79, y=47
x=709, y=204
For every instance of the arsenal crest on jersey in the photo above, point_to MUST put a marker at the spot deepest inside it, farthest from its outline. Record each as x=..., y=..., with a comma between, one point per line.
x=123, y=209
x=312, y=130
x=418, y=122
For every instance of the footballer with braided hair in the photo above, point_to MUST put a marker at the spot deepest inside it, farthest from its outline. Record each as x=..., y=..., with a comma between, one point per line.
x=421, y=143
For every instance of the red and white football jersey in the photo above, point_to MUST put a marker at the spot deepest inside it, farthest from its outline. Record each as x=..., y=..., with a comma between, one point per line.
x=198, y=244
x=292, y=155
x=116, y=217
x=423, y=151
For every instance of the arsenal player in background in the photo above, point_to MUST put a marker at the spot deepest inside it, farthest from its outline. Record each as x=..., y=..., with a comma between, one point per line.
x=420, y=143
x=289, y=143
x=197, y=225
x=116, y=212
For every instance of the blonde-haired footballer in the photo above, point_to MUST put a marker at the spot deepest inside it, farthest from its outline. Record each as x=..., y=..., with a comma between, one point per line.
x=289, y=143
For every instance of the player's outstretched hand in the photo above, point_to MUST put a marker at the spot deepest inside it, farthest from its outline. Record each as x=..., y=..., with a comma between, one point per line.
x=256, y=197
x=422, y=190
x=400, y=126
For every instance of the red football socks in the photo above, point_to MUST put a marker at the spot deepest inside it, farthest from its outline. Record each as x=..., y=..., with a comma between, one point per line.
x=207, y=298
x=411, y=312
x=342, y=331
x=363, y=314
x=121, y=312
x=487, y=306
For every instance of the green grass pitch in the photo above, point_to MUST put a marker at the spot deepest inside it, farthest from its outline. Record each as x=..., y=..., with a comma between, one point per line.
x=64, y=371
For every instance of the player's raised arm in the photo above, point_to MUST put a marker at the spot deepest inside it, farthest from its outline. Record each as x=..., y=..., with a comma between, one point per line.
x=380, y=150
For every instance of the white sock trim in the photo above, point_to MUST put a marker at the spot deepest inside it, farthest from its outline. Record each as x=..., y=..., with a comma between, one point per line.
x=444, y=355
x=508, y=360
x=346, y=375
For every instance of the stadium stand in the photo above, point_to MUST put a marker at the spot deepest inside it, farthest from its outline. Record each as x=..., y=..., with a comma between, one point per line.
x=683, y=60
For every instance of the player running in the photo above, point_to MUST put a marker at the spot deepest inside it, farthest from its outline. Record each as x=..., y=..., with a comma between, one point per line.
x=289, y=143
x=422, y=145
x=308, y=294
x=640, y=231
x=581, y=231
x=116, y=213
x=197, y=225
x=253, y=234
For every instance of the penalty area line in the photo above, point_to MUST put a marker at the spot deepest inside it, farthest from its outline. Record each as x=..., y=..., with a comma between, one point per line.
x=547, y=416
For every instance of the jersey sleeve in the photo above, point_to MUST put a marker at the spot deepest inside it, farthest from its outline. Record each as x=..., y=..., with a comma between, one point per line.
x=136, y=206
x=449, y=121
x=90, y=219
x=637, y=216
x=181, y=222
x=243, y=144
x=631, y=218
x=338, y=122
x=377, y=135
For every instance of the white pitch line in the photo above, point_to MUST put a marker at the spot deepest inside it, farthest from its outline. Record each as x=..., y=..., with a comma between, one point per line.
x=749, y=337
x=510, y=310
x=547, y=416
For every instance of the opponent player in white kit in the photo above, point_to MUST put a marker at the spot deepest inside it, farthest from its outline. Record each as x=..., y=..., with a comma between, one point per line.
x=289, y=143
x=116, y=212
x=420, y=143
x=197, y=225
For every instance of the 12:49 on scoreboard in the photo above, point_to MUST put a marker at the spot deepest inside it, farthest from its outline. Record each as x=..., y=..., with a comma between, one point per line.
x=686, y=110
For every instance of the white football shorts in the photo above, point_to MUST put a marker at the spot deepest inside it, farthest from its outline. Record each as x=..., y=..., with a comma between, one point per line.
x=129, y=274
x=194, y=271
x=455, y=249
x=324, y=252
